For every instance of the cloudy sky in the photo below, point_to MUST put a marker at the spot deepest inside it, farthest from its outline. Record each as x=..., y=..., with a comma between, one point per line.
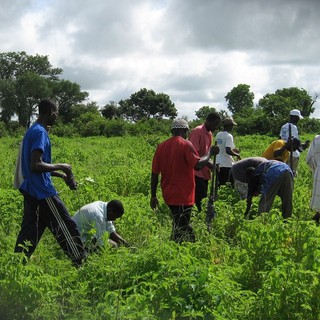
x=195, y=51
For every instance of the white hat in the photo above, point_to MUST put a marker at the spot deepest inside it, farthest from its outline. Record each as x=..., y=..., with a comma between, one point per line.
x=180, y=124
x=297, y=113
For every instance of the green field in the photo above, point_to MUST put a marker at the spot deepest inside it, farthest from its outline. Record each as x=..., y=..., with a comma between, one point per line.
x=259, y=269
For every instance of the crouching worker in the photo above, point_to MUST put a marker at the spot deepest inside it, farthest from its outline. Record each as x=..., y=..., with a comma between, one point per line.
x=269, y=179
x=96, y=218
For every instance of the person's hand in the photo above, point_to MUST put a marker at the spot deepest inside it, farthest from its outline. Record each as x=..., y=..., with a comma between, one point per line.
x=305, y=145
x=154, y=203
x=71, y=181
x=66, y=168
x=214, y=150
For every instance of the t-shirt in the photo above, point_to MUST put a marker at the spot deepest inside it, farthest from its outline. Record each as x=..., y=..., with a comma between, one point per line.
x=224, y=140
x=284, y=135
x=92, y=221
x=201, y=139
x=175, y=159
x=270, y=172
x=275, y=146
x=38, y=185
x=239, y=169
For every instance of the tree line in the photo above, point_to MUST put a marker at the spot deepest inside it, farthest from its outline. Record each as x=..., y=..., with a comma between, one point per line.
x=25, y=79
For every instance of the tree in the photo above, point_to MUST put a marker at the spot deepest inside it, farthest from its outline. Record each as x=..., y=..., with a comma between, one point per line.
x=240, y=100
x=276, y=106
x=25, y=79
x=203, y=112
x=146, y=104
x=111, y=110
x=67, y=94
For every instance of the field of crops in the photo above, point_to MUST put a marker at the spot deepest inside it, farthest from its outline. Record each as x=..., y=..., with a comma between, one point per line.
x=258, y=269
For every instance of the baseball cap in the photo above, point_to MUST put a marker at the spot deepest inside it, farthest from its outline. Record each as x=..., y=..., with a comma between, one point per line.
x=228, y=121
x=296, y=112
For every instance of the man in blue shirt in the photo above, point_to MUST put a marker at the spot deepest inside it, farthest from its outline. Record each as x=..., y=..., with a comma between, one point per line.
x=269, y=179
x=42, y=205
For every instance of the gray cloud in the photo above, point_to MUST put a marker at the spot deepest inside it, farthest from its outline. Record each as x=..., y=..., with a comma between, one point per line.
x=195, y=51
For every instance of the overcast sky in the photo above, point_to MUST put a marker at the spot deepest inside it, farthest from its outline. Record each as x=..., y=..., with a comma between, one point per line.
x=195, y=51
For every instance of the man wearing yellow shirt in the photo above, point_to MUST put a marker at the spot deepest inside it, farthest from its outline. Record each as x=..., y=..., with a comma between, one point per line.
x=280, y=149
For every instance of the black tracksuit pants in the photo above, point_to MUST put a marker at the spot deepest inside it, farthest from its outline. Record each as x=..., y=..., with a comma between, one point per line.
x=49, y=213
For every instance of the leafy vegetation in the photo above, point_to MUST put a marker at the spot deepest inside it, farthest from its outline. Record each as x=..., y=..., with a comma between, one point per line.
x=259, y=269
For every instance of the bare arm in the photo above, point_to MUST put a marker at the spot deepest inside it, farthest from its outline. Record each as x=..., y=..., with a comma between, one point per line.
x=233, y=152
x=38, y=166
x=214, y=150
x=118, y=239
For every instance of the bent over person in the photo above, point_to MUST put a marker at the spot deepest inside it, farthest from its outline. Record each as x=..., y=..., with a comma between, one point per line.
x=175, y=160
x=269, y=179
x=95, y=219
x=42, y=205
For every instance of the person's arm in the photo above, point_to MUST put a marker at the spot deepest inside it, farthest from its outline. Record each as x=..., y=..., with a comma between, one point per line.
x=233, y=152
x=214, y=150
x=38, y=166
x=118, y=239
x=154, y=184
x=253, y=186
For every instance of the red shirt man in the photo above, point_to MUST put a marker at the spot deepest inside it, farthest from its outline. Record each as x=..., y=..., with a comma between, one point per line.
x=175, y=160
x=201, y=138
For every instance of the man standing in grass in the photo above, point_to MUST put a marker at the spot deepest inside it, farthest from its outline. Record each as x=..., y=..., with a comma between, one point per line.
x=42, y=205
x=291, y=127
x=227, y=151
x=313, y=161
x=201, y=138
x=175, y=160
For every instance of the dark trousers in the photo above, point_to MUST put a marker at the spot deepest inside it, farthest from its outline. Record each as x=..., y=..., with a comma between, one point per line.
x=224, y=176
x=283, y=187
x=201, y=191
x=181, y=228
x=49, y=213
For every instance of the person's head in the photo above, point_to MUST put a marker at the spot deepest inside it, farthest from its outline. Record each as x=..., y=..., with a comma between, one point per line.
x=180, y=127
x=212, y=122
x=228, y=124
x=48, y=112
x=295, y=116
x=114, y=210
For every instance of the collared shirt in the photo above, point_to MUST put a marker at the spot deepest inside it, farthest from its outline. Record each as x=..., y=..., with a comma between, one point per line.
x=275, y=146
x=201, y=139
x=92, y=221
x=175, y=159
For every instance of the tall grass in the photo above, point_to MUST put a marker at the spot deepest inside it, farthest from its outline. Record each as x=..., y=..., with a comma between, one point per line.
x=259, y=269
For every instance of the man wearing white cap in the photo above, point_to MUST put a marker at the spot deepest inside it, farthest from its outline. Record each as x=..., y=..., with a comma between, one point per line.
x=295, y=116
x=175, y=160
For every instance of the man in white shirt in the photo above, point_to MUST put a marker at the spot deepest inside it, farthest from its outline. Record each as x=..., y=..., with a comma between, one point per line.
x=313, y=161
x=96, y=218
x=227, y=151
x=295, y=116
